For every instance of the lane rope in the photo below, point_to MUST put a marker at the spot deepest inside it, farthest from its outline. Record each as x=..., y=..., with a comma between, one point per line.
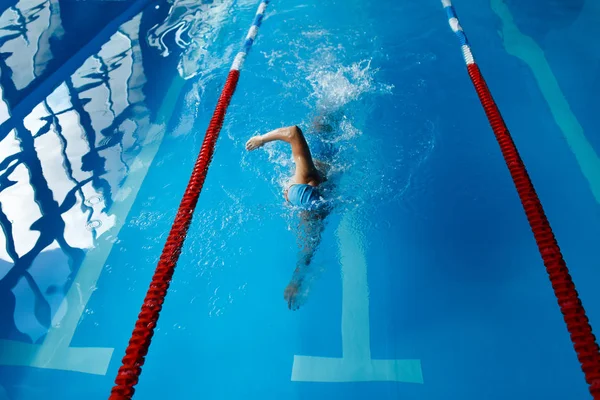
x=570, y=305
x=134, y=358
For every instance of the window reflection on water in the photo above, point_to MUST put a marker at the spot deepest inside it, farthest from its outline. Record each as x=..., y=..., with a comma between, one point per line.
x=61, y=167
x=65, y=164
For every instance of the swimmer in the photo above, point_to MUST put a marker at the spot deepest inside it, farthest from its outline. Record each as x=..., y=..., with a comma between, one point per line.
x=303, y=192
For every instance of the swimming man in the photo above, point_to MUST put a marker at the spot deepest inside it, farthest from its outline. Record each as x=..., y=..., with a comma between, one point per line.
x=302, y=192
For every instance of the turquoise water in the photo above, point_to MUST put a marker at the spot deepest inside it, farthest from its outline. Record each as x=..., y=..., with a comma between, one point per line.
x=427, y=283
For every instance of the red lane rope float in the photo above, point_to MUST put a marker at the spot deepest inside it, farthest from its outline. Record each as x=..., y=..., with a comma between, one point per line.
x=573, y=312
x=136, y=351
x=570, y=305
x=141, y=337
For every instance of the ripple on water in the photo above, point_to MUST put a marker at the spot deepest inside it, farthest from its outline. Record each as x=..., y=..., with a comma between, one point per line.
x=194, y=25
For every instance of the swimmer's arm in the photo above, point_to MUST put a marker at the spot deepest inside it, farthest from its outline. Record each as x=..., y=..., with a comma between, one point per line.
x=284, y=134
x=298, y=275
x=311, y=229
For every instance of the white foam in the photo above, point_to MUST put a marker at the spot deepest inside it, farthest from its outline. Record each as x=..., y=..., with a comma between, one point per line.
x=334, y=86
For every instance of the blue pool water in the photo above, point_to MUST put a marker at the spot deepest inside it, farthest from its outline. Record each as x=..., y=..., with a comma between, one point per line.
x=427, y=283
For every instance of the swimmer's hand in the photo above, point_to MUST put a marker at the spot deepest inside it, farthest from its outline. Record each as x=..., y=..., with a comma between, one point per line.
x=290, y=295
x=254, y=143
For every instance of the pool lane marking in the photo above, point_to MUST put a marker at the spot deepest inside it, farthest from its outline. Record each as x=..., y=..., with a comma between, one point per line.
x=526, y=49
x=356, y=364
x=54, y=352
x=356, y=335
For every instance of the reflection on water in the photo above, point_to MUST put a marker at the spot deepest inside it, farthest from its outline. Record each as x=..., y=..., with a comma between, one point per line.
x=194, y=24
x=59, y=171
x=25, y=33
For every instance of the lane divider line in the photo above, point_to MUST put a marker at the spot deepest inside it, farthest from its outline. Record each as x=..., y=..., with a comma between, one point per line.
x=528, y=51
x=570, y=305
x=136, y=351
x=356, y=363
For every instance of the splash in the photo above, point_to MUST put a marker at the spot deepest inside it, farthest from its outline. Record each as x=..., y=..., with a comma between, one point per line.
x=336, y=95
x=333, y=88
x=195, y=25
